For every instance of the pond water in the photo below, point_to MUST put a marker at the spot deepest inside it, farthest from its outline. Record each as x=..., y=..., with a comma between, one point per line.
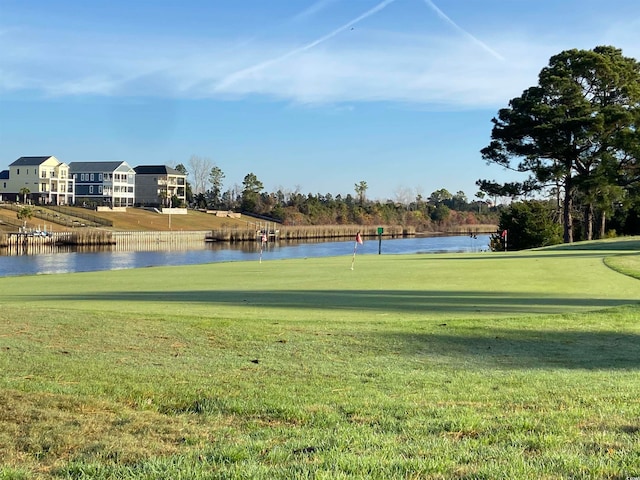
x=66, y=261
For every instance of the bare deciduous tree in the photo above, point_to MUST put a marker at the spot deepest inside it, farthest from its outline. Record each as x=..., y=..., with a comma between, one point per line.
x=199, y=169
x=403, y=195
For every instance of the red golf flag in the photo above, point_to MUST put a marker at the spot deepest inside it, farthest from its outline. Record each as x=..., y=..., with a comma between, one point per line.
x=504, y=233
x=358, y=238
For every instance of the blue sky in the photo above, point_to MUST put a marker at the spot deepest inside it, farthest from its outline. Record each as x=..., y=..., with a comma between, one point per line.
x=309, y=95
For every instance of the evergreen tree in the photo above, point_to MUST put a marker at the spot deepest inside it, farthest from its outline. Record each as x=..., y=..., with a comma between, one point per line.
x=583, y=111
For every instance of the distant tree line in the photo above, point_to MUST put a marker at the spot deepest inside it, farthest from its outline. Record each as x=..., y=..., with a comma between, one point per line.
x=441, y=210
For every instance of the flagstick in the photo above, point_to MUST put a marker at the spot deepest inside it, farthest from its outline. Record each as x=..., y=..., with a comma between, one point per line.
x=263, y=241
x=353, y=260
x=504, y=238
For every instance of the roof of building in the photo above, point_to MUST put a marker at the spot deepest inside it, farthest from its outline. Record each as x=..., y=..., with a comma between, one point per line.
x=156, y=170
x=4, y=175
x=29, y=161
x=96, y=166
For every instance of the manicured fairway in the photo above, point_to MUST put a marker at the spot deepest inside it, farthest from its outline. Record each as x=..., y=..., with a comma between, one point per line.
x=517, y=365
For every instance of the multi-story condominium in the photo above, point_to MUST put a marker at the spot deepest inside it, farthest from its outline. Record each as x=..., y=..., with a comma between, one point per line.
x=104, y=183
x=44, y=180
x=160, y=186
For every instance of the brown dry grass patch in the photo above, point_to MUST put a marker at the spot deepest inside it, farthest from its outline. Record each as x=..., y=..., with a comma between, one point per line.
x=44, y=431
x=141, y=219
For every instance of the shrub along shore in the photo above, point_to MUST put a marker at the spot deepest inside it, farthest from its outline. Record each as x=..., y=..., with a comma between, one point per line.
x=437, y=366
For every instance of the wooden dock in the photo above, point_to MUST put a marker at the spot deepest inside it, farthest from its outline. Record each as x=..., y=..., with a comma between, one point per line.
x=161, y=240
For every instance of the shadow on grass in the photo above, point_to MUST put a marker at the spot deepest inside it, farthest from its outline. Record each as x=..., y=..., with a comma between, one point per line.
x=591, y=350
x=525, y=254
x=619, y=244
x=405, y=301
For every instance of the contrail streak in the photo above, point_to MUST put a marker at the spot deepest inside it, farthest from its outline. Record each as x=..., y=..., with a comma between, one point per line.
x=234, y=77
x=313, y=9
x=303, y=15
x=442, y=15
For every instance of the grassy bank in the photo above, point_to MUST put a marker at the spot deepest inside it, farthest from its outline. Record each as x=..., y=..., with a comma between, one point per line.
x=516, y=365
x=134, y=219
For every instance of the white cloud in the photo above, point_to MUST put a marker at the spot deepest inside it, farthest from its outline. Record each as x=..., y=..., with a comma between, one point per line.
x=446, y=70
x=395, y=68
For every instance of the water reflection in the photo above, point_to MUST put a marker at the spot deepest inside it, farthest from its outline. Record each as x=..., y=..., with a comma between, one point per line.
x=84, y=259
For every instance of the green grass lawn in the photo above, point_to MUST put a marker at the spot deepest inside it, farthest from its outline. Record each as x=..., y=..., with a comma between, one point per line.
x=519, y=365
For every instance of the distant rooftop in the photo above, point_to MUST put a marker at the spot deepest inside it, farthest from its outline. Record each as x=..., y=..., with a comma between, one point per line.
x=156, y=170
x=28, y=161
x=95, y=166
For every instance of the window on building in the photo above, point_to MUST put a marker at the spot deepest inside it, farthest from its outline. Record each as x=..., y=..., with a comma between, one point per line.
x=100, y=177
x=99, y=188
x=90, y=188
x=92, y=177
x=17, y=171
